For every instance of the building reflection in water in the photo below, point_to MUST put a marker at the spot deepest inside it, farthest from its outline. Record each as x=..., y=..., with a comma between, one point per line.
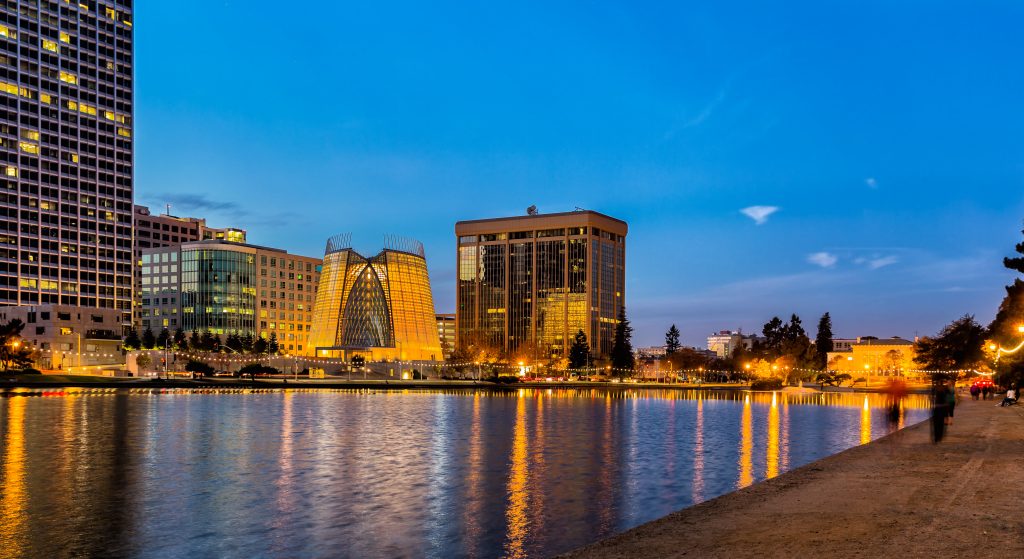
x=431, y=473
x=772, y=445
x=746, y=465
x=698, y=454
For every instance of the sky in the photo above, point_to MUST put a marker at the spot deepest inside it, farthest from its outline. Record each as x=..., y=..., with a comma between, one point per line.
x=863, y=158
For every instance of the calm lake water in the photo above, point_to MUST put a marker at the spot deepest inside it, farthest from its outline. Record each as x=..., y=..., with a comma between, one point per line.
x=526, y=473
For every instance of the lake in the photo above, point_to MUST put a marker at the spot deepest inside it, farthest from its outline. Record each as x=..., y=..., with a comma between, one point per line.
x=518, y=473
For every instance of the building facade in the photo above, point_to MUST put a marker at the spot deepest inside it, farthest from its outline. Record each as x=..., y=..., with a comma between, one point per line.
x=526, y=285
x=874, y=357
x=446, y=333
x=726, y=342
x=227, y=287
x=66, y=154
x=380, y=308
x=69, y=338
x=164, y=230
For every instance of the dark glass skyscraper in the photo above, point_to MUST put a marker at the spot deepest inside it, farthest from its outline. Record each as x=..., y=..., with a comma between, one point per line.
x=527, y=284
x=66, y=153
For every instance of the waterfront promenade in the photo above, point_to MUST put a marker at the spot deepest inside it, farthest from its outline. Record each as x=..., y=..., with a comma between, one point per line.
x=901, y=495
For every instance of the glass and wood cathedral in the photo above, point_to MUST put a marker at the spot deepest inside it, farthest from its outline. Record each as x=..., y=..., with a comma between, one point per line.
x=379, y=307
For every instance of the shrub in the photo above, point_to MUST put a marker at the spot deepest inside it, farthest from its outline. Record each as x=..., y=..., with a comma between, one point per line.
x=766, y=384
x=194, y=366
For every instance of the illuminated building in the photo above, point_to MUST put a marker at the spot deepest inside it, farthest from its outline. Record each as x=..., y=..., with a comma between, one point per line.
x=66, y=154
x=726, y=342
x=165, y=230
x=66, y=336
x=528, y=284
x=226, y=287
x=379, y=307
x=870, y=356
x=446, y=333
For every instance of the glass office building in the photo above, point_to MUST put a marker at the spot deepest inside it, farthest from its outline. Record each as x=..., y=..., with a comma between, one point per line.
x=527, y=284
x=379, y=307
x=66, y=153
x=218, y=289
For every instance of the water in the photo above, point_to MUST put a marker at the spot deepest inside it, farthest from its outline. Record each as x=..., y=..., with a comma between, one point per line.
x=526, y=473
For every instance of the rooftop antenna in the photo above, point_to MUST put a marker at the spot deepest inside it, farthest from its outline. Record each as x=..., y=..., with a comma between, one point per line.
x=168, y=209
x=532, y=210
x=579, y=209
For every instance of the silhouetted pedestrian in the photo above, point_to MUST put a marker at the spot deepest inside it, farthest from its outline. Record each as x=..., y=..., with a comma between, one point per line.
x=950, y=402
x=975, y=391
x=939, y=391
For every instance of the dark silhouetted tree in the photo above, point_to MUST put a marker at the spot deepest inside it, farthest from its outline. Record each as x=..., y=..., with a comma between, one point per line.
x=672, y=340
x=132, y=341
x=195, y=342
x=179, y=339
x=14, y=352
x=823, y=342
x=622, y=347
x=579, y=351
x=273, y=347
x=1003, y=331
x=164, y=339
x=960, y=345
x=148, y=339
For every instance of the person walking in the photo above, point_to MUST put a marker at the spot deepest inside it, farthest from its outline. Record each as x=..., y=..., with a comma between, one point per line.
x=975, y=391
x=950, y=402
x=939, y=391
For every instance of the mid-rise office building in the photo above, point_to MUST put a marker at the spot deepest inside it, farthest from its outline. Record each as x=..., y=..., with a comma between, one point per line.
x=68, y=337
x=528, y=284
x=380, y=308
x=725, y=342
x=66, y=180
x=226, y=287
x=446, y=333
x=165, y=230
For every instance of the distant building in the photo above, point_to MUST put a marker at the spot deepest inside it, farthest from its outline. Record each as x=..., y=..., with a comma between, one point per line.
x=229, y=287
x=164, y=230
x=446, y=333
x=843, y=344
x=68, y=337
x=725, y=342
x=873, y=357
x=380, y=308
x=527, y=284
x=653, y=352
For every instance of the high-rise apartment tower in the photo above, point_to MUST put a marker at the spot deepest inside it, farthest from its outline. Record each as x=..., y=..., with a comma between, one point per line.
x=66, y=107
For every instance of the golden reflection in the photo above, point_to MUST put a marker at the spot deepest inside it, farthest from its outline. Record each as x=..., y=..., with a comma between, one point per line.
x=865, y=422
x=746, y=445
x=784, y=429
x=517, y=502
x=698, y=455
x=772, y=458
x=13, y=497
x=474, y=495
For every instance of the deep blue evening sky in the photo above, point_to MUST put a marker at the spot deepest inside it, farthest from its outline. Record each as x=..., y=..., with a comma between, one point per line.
x=888, y=135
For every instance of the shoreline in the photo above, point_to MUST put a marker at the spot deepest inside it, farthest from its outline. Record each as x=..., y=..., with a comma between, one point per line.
x=899, y=494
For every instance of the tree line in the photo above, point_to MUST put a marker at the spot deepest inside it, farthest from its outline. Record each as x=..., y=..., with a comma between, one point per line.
x=202, y=341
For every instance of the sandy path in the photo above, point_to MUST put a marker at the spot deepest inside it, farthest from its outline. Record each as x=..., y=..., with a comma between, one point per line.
x=900, y=496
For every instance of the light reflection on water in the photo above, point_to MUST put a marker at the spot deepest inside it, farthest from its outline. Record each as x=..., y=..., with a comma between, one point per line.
x=521, y=473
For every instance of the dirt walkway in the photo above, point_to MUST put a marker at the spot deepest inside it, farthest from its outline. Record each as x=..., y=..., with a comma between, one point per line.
x=898, y=496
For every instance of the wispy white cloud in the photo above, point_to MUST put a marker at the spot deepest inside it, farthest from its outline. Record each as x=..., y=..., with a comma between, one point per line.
x=882, y=261
x=759, y=214
x=823, y=259
x=871, y=182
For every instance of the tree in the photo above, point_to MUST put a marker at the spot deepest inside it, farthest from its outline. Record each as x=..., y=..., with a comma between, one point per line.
x=179, y=339
x=148, y=339
x=579, y=351
x=273, y=347
x=132, y=341
x=672, y=340
x=1004, y=329
x=823, y=341
x=622, y=348
x=206, y=341
x=774, y=332
x=164, y=339
x=960, y=345
x=216, y=343
x=234, y=342
x=833, y=378
x=893, y=361
x=198, y=368
x=260, y=345
x=144, y=361
x=195, y=343
x=14, y=352
x=247, y=341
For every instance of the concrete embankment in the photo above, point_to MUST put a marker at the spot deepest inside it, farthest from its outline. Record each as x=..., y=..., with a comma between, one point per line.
x=901, y=495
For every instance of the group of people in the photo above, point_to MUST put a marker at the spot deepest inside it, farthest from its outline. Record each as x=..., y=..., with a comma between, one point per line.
x=984, y=391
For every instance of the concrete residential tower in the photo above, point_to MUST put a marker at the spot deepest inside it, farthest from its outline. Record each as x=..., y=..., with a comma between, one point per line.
x=66, y=154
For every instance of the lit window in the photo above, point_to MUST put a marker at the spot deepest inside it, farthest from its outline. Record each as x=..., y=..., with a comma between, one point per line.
x=8, y=32
x=69, y=78
x=65, y=38
x=50, y=45
x=29, y=147
x=45, y=98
